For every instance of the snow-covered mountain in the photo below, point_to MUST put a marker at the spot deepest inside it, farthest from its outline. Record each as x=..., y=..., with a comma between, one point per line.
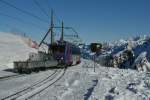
x=13, y=48
x=116, y=49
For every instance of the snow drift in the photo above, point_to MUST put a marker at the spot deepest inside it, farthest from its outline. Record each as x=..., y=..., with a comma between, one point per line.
x=13, y=48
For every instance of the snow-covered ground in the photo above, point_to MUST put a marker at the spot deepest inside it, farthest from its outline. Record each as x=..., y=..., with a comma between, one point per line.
x=13, y=85
x=80, y=82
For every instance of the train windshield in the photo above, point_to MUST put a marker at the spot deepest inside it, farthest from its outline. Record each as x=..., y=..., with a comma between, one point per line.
x=58, y=48
x=61, y=48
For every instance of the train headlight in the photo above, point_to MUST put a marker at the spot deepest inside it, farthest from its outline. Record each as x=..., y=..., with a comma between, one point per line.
x=62, y=58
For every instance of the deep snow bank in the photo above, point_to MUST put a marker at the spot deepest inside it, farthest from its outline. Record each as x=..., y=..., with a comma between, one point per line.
x=13, y=48
x=116, y=54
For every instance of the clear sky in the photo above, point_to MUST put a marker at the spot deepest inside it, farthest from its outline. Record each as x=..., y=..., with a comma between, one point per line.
x=95, y=20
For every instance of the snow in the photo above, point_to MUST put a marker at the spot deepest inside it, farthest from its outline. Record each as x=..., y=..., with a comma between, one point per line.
x=8, y=87
x=79, y=82
x=13, y=48
x=112, y=54
x=40, y=88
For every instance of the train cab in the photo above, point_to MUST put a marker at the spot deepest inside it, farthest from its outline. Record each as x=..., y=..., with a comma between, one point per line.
x=66, y=53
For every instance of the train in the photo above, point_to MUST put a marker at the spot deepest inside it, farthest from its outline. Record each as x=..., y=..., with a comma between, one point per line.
x=61, y=53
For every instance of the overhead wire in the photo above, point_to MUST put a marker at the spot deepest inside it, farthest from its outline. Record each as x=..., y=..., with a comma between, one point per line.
x=41, y=8
x=20, y=20
x=55, y=15
x=51, y=8
x=76, y=35
x=57, y=18
x=23, y=11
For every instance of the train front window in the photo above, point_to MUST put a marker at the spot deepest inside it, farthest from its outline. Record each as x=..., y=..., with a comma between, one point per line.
x=61, y=49
x=58, y=48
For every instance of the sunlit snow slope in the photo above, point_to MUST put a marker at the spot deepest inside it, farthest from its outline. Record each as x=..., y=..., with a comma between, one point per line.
x=13, y=48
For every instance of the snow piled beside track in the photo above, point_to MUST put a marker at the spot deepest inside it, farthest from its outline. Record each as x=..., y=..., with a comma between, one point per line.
x=12, y=48
x=81, y=83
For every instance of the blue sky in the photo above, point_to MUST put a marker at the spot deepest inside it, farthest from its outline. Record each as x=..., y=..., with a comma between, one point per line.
x=95, y=20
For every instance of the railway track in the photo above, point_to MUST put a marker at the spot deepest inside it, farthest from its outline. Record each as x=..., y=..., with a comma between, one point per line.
x=11, y=76
x=38, y=87
x=8, y=77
